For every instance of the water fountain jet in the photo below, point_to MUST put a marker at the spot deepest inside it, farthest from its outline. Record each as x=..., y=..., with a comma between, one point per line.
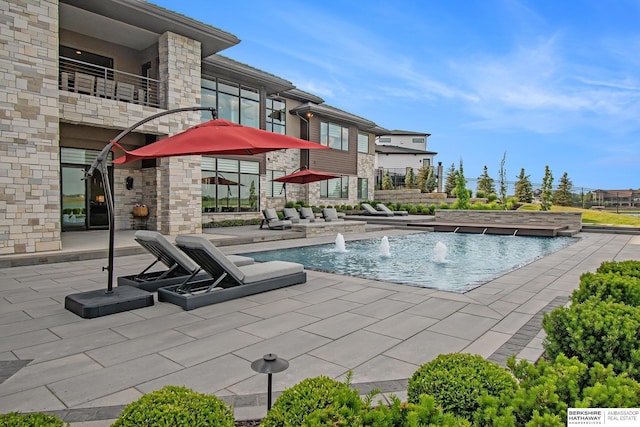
x=385, y=249
x=340, y=245
x=440, y=252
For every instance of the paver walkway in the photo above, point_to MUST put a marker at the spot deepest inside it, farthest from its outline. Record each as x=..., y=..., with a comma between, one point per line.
x=86, y=370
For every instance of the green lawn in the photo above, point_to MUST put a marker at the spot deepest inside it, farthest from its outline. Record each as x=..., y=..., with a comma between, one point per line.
x=590, y=216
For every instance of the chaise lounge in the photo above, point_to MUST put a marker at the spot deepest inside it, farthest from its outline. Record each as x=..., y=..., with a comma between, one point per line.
x=385, y=209
x=369, y=210
x=180, y=268
x=307, y=213
x=228, y=280
x=291, y=214
x=272, y=221
x=331, y=214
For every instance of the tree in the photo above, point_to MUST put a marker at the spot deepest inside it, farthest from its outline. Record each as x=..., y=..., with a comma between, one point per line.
x=450, y=183
x=563, y=196
x=431, y=183
x=387, y=183
x=461, y=189
x=485, y=183
x=410, y=179
x=546, y=194
x=253, y=199
x=503, y=181
x=524, y=189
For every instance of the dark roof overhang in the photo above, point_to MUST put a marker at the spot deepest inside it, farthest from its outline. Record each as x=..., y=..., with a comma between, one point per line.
x=138, y=24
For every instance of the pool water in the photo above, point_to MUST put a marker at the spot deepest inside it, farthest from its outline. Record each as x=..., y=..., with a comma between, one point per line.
x=418, y=259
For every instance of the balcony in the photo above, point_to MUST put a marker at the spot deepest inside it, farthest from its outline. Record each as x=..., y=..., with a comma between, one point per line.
x=83, y=77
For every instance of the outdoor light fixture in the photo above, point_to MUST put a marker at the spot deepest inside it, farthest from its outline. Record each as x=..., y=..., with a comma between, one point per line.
x=100, y=199
x=309, y=114
x=269, y=364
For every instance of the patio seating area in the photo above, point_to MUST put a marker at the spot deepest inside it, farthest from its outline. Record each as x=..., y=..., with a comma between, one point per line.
x=86, y=370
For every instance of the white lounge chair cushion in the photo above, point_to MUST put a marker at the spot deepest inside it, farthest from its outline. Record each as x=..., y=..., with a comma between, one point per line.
x=269, y=270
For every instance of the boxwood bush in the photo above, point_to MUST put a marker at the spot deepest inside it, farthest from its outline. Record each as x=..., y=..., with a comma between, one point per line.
x=176, y=406
x=457, y=380
x=37, y=419
x=548, y=388
x=596, y=331
x=608, y=286
x=312, y=394
x=626, y=268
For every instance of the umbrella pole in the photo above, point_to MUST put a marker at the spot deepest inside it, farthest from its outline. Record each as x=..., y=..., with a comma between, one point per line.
x=90, y=304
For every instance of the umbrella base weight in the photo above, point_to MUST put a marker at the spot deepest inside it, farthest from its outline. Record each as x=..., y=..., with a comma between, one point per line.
x=99, y=303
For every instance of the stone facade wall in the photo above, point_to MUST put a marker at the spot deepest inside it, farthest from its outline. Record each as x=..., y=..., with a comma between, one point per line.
x=414, y=197
x=571, y=219
x=180, y=203
x=284, y=160
x=366, y=169
x=29, y=150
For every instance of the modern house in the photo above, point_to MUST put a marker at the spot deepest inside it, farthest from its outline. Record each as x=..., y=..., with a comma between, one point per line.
x=398, y=150
x=75, y=73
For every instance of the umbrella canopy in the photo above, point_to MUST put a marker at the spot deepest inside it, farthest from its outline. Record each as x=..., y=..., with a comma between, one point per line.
x=217, y=137
x=220, y=181
x=305, y=176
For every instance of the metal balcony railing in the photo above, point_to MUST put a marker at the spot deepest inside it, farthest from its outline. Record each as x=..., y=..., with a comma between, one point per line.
x=83, y=77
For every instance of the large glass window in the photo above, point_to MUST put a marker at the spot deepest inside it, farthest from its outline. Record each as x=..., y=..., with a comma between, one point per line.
x=363, y=188
x=337, y=188
x=334, y=136
x=363, y=142
x=276, y=115
x=274, y=188
x=230, y=185
x=238, y=104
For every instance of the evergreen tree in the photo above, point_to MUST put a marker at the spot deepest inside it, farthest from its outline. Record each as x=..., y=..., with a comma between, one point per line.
x=387, y=182
x=461, y=189
x=485, y=183
x=450, y=183
x=563, y=196
x=410, y=179
x=431, y=183
x=503, y=181
x=524, y=189
x=547, y=193
x=421, y=179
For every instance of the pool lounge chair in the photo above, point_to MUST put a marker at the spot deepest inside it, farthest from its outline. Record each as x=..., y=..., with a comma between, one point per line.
x=330, y=214
x=307, y=213
x=291, y=214
x=385, y=209
x=180, y=268
x=369, y=210
x=228, y=280
x=272, y=221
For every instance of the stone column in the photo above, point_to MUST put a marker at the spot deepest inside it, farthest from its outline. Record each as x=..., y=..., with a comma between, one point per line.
x=179, y=192
x=29, y=124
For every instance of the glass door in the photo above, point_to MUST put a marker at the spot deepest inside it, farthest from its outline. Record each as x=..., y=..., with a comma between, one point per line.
x=74, y=198
x=98, y=216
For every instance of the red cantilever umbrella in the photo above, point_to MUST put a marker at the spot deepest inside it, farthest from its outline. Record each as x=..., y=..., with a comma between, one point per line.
x=303, y=176
x=217, y=137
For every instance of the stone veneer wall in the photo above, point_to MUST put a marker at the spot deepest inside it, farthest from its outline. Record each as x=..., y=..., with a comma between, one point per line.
x=29, y=124
x=283, y=160
x=414, y=197
x=571, y=219
x=366, y=169
x=179, y=208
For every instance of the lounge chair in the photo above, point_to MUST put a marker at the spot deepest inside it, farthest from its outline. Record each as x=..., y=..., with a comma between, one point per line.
x=383, y=208
x=369, y=210
x=291, y=214
x=272, y=221
x=228, y=280
x=307, y=213
x=330, y=214
x=180, y=268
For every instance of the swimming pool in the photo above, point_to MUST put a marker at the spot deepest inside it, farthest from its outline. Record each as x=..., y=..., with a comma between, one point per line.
x=417, y=259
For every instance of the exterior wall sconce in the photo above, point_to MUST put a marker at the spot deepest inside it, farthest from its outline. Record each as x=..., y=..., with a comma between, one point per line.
x=309, y=115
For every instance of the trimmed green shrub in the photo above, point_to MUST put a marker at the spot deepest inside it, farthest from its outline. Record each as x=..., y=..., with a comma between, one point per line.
x=176, y=406
x=608, y=286
x=596, y=331
x=625, y=268
x=457, y=380
x=35, y=419
x=413, y=210
x=548, y=388
x=492, y=197
x=310, y=395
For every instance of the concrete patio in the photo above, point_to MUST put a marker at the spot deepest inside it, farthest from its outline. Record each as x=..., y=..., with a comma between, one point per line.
x=85, y=371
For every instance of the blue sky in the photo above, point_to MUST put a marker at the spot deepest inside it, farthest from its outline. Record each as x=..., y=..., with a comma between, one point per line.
x=548, y=82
